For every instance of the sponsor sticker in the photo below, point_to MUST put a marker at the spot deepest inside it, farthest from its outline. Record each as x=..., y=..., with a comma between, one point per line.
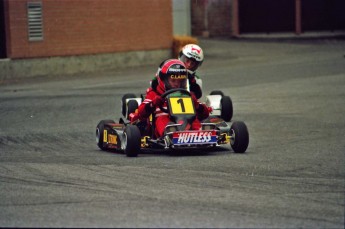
x=112, y=139
x=200, y=137
x=105, y=136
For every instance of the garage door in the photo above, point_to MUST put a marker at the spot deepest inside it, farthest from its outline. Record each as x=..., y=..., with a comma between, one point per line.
x=266, y=16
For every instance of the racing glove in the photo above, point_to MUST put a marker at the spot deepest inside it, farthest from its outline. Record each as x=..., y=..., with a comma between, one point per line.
x=195, y=100
x=133, y=117
x=157, y=101
x=210, y=110
x=202, y=112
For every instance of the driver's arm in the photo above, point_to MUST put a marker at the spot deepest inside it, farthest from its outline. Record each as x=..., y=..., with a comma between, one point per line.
x=148, y=106
x=201, y=109
x=194, y=86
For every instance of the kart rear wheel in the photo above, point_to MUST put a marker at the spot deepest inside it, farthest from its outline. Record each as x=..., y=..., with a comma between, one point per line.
x=217, y=93
x=132, y=141
x=123, y=100
x=100, y=132
x=226, y=112
x=132, y=105
x=239, y=137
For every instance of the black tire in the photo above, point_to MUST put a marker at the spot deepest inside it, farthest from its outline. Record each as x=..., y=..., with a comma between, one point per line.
x=123, y=101
x=132, y=105
x=217, y=93
x=226, y=111
x=239, y=137
x=100, y=131
x=132, y=141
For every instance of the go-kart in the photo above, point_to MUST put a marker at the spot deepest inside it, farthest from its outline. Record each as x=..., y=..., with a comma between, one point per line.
x=215, y=131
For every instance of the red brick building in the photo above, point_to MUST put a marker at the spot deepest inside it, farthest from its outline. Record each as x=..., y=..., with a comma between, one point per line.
x=79, y=27
x=59, y=37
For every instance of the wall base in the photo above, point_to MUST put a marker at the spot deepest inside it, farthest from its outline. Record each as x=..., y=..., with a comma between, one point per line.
x=11, y=69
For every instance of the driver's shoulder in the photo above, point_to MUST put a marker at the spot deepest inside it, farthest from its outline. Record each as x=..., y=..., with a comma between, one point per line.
x=151, y=92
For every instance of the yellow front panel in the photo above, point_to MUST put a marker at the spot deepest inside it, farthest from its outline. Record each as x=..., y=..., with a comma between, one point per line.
x=182, y=105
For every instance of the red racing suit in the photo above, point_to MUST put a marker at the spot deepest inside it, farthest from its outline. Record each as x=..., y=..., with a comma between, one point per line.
x=147, y=108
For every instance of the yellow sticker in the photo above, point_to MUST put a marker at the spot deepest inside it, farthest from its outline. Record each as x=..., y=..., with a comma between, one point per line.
x=182, y=105
x=105, y=136
x=112, y=139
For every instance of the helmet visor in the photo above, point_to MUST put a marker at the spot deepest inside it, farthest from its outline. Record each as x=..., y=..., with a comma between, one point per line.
x=190, y=63
x=176, y=81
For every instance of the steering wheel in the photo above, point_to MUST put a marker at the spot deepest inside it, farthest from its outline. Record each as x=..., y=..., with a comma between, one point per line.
x=165, y=94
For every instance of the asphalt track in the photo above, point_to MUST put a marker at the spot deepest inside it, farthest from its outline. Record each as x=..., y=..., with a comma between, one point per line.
x=291, y=95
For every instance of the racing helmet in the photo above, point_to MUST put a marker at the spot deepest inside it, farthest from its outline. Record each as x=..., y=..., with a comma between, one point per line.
x=192, y=56
x=172, y=73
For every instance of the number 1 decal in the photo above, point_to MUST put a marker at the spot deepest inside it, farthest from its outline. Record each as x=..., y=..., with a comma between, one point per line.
x=180, y=101
x=181, y=105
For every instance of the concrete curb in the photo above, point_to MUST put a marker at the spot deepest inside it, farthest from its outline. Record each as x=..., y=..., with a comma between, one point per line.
x=54, y=66
x=294, y=36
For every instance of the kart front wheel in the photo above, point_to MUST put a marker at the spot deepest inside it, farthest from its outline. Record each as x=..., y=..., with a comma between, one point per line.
x=100, y=133
x=132, y=141
x=226, y=108
x=217, y=93
x=239, y=137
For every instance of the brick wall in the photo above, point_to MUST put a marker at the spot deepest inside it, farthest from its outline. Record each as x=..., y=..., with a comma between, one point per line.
x=219, y=15
x=211, y=17
x=78, y=27
x=198, y=17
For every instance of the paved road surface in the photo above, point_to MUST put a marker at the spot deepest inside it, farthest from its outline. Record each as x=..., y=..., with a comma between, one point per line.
x=291, y=95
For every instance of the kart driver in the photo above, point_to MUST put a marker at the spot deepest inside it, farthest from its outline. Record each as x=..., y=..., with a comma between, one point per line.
x=192, y=56
x=172, y=74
